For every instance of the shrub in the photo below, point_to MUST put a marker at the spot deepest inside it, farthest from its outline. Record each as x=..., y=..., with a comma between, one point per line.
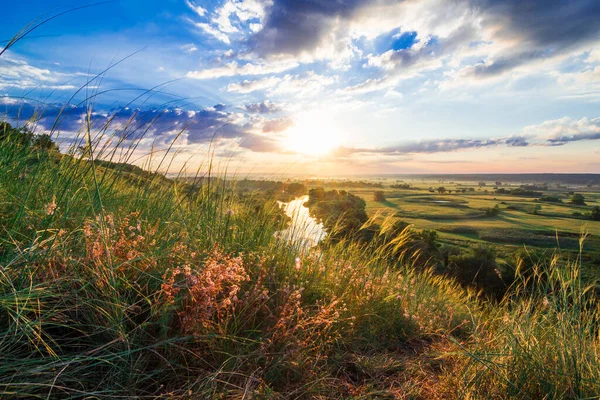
x=478, y=267
x=550, y=199
x=595, y=214
x=492, y=211
x=379, y=195
x=578, y=199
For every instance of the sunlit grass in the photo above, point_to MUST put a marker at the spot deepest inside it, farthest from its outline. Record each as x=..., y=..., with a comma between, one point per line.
x=116, y=282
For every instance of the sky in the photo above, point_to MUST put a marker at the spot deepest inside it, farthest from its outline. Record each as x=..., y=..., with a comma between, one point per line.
x=318, y=87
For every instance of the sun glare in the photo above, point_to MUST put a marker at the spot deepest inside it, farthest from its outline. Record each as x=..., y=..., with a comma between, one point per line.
x=315, y=133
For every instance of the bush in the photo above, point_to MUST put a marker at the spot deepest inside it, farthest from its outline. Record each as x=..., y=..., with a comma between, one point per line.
x=379, y=195
x=492, y=211
x=595, y=214
x=578, y=199
x=550, y=199
x=477, y=267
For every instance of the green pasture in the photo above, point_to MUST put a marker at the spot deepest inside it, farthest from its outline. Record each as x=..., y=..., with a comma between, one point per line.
x=461, y=216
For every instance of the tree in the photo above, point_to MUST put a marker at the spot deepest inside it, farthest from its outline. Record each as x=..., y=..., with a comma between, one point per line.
x=492, y=211
x=295, y=188
x=578, y=199
x=342, y=213
x=536, y=209
x=379, y=195
x=17, y=136
x=441, y=190
x=44, y=142
x=595, y=215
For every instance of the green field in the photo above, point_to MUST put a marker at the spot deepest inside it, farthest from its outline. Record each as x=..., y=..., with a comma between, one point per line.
x=460, y=217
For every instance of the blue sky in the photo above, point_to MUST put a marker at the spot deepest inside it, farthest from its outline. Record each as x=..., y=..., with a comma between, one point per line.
x=321, y=87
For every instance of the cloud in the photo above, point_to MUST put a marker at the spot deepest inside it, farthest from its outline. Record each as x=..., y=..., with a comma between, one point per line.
x=439, y=146
x=533, y=31
x=189, y=48
x=277, y=125
x=556, y=132
x=196, y=8
x=292, y=27
x=308, y=84
x=564, y=130
x=216, y=33
x=17, y=73
x=425, y=53
x=249, y=86
x=231, y=20
x=517, y=141
x=234, y=68
x=483, y=38
x=199, y=126
x=424, y=146
x=260, y=144
x=264, y=107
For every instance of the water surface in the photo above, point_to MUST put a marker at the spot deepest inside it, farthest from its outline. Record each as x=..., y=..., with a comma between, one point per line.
x=303, y=231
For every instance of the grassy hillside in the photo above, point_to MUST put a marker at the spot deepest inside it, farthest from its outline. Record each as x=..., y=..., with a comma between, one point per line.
x=115, y=282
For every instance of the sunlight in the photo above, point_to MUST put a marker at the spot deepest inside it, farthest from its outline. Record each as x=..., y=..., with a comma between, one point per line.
x=315, y=133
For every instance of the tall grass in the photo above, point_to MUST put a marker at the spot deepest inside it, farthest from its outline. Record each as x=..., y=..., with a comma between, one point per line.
x=541, y=341
x=116, y=282
x=119, y=282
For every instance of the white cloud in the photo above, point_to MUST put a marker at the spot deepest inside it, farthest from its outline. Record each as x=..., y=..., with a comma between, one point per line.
x=189, y=47
x=249, y=86
x=234, y=68
x=228, y=21
x=297, y=85
x=196, y=8
x=563, y=130
x=18, y=73
x=216, y=33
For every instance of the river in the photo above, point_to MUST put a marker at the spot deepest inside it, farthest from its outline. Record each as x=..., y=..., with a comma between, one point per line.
x=304, y=231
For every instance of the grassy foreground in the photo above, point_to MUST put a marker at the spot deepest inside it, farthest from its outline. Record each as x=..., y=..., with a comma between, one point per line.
x=121, y=284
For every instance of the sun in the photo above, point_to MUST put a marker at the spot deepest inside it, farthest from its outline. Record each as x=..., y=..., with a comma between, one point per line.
x=314, y=133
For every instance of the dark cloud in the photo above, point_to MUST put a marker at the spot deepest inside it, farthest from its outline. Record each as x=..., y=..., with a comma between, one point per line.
x=575, y=137
x=543, y=28
x=538, y=28
x=436, y=146
x=546, y=23
x=277, y=125
x=516, y=141
x=199, y=125
x=293, y=26
x=265, y=107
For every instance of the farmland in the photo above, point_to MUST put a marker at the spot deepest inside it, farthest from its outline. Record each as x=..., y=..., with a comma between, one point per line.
x=456, y=209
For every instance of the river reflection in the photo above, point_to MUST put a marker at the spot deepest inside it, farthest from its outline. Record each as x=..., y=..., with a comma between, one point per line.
x=304, y=231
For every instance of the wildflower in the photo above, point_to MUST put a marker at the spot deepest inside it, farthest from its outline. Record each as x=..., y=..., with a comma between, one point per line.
x=298, y=263
x=545, y=303
x=51, y=207
x=230, y=212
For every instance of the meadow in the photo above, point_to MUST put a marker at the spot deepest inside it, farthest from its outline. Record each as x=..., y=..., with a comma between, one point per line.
x=116, y=282
x=458, y=214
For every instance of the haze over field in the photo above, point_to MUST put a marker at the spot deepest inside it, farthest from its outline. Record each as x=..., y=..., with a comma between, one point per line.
x=353, y=87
